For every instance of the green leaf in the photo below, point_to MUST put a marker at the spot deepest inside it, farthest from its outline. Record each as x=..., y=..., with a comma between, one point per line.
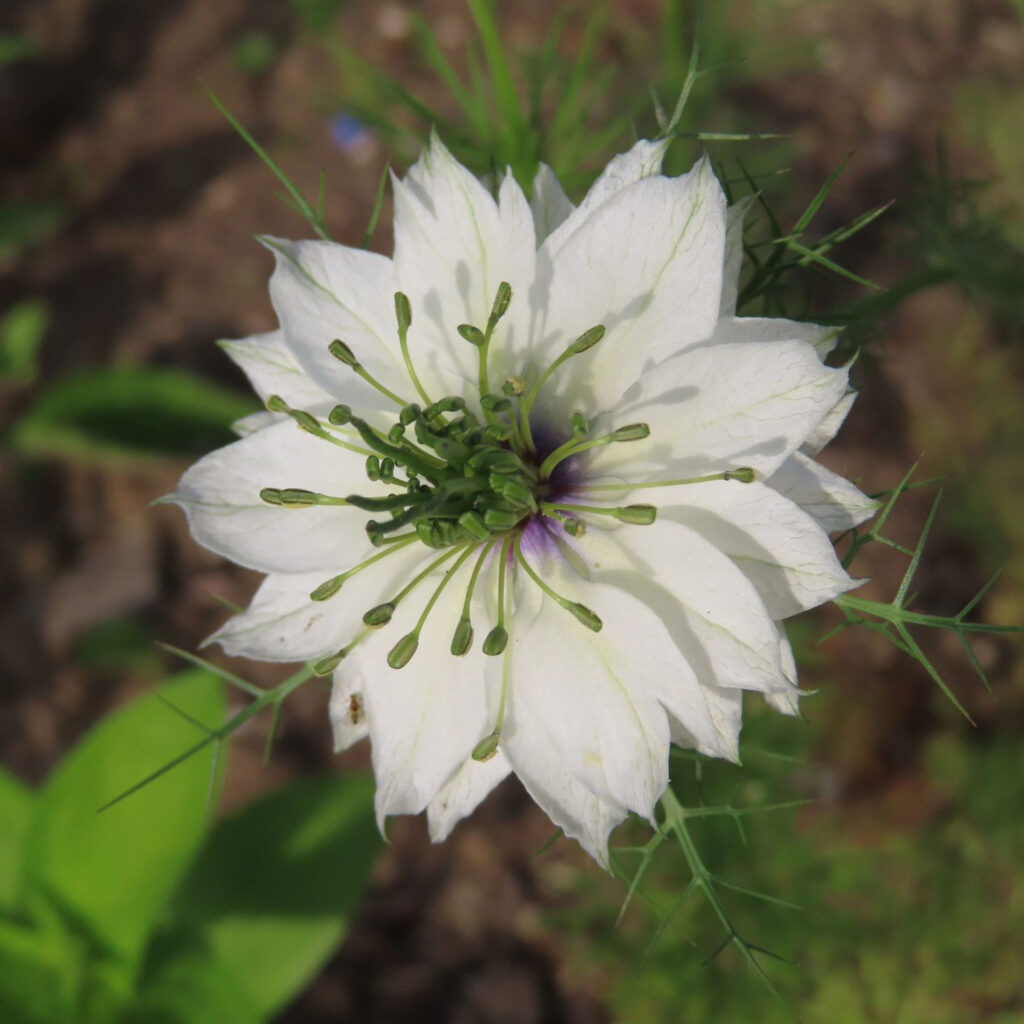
x=35, y=986
x=184, y=983
x=21, y=333
x=15, y=810
x=115, y=871
x=276, y=884
x=130, y=413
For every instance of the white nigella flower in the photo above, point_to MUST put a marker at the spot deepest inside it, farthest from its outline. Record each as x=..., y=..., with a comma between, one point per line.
x=531, y=490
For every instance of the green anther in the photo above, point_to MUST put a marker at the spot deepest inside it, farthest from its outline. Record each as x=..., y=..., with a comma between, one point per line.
x=409, y=414
x=342, y=353
x=396, y=433
x=473, y=526
x=487, y=747
x=588, y=339
x=401, y=654
x=403, y=311
x=271, y=495
x=514, y=387
x=632, y=432
x=636, y=515
x=499, y=520
x=463, y=638
x=307, y=421
x=512, y=491
x=325, y=666
x=297, y=497
x=584, y=615
x=328, y=588
x=373, y=467
x=387, y=470
x=275, y=403
x=495, y=403
x=472, y=334
x=745, y=475
x=451, y=403
x=502, y=299
x=499, y=432
x=429, y=532
x=340, y=415
x=380, y=615
x=496, y=641
x=580, y=430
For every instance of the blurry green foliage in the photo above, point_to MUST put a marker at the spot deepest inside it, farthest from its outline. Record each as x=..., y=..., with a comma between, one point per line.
x=316, y=16
x=255, y=53
x=15, y=47
x=144, y=913
x=129, y=413
x=22, y=330
x=902, y=923
x=23, y=223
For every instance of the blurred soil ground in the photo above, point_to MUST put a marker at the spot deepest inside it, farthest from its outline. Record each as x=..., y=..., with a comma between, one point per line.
x=156, y=260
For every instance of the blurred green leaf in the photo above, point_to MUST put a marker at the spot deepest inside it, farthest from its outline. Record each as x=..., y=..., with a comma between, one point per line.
x=15, y=47
x=15, y=808
x=130, y=413
x=276, y=884
x=116, y=870
x=21, y=333
x=23, y=223
x=35, y=987
x=317, y=15
x=255, y=53
x=184, y=983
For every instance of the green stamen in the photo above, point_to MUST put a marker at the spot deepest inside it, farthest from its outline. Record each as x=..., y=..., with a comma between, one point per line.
x=635, y=515
x=401, y=654
x=330, y=587
x=463, y=639
x=380, y=615
x=743, y=475
x=496, y=641
x=297, y=497
x=632, y=432
x=579, y=611
x=403, y=314
x=345, y=355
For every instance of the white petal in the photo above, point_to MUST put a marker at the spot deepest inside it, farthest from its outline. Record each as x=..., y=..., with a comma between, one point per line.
x=221, y=497
x=426, y=718
x=648, y=266
x=833, y=502
x=463, y=793
x=642, y=161
x=721, y=407
x=453, y=246
x=731, y=330
x=549, y=203
x=272, y=370
x=712, y=611
x=733, y=262
x=787, y=701
x=726, y=707
x=777, y=545
x=346, y=709
x=283, y=624
x=829, y=426
x=597, y=700
x=322, y=291
x=255, y=421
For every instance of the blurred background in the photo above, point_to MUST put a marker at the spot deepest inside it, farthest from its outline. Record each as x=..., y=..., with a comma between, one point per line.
x=128, y=207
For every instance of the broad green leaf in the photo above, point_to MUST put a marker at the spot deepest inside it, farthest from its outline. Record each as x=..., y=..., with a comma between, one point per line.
x=15, y=809
x=276, y=883
x=36, y=984
x=130, y=413
x=115, y=870
x=21, y=333
x=185, y=983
